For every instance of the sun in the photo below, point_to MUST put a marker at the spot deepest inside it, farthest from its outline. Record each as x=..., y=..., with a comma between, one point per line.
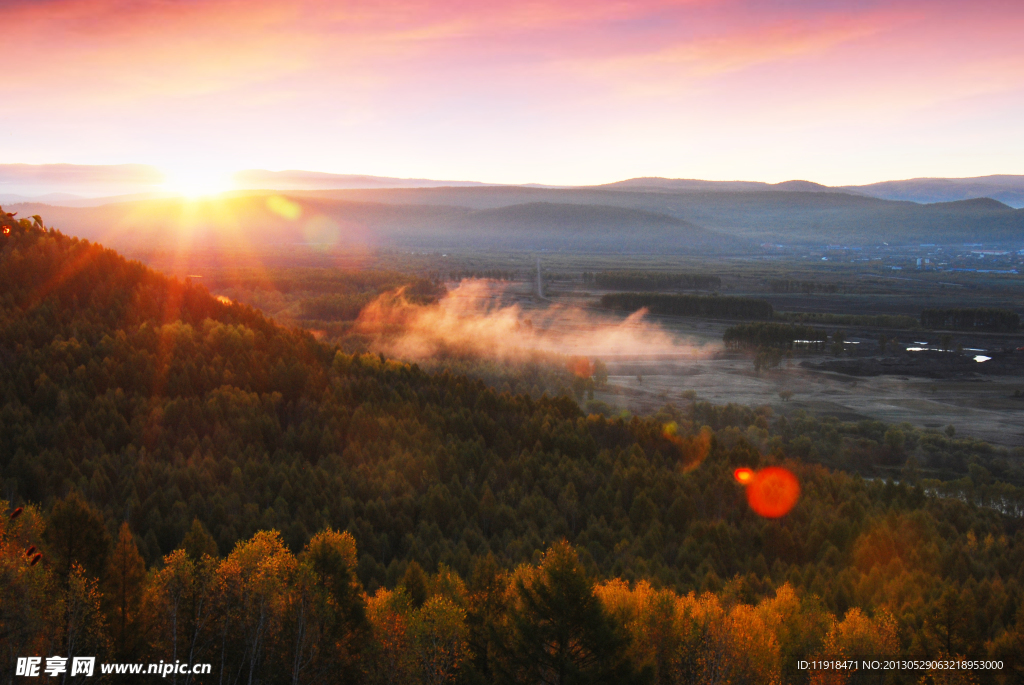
x=197, y=181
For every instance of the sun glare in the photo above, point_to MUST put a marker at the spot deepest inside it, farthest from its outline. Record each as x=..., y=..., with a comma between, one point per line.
x=196, y=182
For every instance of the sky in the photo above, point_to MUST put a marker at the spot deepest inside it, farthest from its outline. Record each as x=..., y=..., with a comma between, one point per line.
x=552, y=91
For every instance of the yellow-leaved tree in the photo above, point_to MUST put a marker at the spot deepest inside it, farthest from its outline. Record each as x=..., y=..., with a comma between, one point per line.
x=179, y=607
x=439, y=639
x=326, y=617
x=252, y=588
x=28, y=616
x=857, y=635
x=387, y=658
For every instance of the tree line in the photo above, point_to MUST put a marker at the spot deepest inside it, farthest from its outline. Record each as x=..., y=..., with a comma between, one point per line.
x=866, y=320
x=495, y=274
x=652, y=280
x=712, y=306
x=775, y=335
x=265, y=614
x=971, y=319
x=786, y=285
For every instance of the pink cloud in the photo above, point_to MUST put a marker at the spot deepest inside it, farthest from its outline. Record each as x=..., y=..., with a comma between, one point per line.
x=319, y=80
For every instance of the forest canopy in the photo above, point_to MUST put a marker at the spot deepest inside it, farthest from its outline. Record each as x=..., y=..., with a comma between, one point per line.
x=164, y=447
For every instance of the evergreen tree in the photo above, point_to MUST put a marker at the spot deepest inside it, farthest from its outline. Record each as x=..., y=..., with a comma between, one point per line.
x=126, y=575
x=75, y=534
x=558, y=633
x=198, y=542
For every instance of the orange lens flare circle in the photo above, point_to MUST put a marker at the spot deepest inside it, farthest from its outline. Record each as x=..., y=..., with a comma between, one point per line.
x=772, y=492
x=743, y=475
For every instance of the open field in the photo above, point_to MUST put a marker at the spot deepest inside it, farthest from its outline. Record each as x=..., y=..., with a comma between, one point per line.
x=977, y=403
x=982, y=407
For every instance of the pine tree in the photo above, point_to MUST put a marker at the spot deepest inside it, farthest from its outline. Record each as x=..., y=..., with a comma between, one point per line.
x=76, y=534
x=198, y=542
x=558, y=633
x=126, y=575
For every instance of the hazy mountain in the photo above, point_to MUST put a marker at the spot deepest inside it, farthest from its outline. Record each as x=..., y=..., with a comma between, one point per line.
x=687, y=184
x=315, y=180
x=584, y=228
x=790, y=217
x=240, y=223
x=255, y=223
x=700, y=217
x=682, y=184
x=805, y=187
x=1006, y=189
x=49, y=198
x=40, y=181
x=71, y=184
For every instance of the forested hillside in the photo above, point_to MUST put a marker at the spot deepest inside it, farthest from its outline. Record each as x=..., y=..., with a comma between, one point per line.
x=200, y=481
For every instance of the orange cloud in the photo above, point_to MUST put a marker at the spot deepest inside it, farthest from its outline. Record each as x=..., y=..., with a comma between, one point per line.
x=121, y=51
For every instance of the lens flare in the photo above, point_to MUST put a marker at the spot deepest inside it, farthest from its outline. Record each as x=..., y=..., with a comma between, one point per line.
x=743, y=475
x=773, y=492
x=693, y=449
x=284, y=207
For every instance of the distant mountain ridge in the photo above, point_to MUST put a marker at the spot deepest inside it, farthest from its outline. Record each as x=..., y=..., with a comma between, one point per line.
x=1006, y=188
x=82, y=185
x=258, y=179
x=530, y=219
x=70, y=182
x=688, y=184
x=362, y=223
x=643, y=215
x=590, y=228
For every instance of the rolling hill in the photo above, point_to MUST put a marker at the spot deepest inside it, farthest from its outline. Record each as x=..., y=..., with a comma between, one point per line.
x=788, y=217
x=582, y=228
x=600, y=219
x=249, y=222
x=1005, y=188
x=311, y=180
